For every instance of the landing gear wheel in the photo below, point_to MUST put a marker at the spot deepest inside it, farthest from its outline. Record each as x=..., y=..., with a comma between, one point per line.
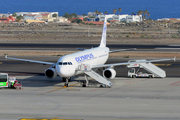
x=84, y=84
x=66, y=85
x=133, y=76
x=150, y=76
x=103, y=86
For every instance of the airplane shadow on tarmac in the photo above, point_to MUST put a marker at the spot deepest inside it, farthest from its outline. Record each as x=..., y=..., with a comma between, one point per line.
x=39, y=80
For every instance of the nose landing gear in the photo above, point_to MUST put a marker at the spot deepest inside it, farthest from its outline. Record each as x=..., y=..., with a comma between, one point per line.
x=66, y=80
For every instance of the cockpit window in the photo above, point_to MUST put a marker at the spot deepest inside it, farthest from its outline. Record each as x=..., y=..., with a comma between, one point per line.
x=69, y=63
x=65, y=63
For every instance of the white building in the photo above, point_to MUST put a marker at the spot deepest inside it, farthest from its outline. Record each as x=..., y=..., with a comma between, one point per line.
x=92, y=14
x=134, y=18
x=32, y=17
x=60, y=19
x=102, y=17
x=113, y=17
x=35, y=13
x=120, y=17
x=25, y=13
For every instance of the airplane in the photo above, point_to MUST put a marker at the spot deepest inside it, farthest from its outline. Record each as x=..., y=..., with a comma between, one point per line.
x=86, y=62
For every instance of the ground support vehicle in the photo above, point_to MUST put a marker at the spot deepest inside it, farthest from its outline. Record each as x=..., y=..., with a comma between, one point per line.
x=9, y=82
x=17, y=85
x=133, y=73
x=149, y=69
x=3, y=80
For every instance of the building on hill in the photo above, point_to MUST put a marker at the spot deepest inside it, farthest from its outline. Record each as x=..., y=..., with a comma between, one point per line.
x=7, y=19
x=134, y=18
x=92, y=19
x=125, y=17
x=93, y=14
x=4, y=15
x=32, y=17
x=113, y=17
x=46, y=16
x=60, y=19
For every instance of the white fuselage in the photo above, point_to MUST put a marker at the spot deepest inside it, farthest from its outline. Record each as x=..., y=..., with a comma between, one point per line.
x=67, y=65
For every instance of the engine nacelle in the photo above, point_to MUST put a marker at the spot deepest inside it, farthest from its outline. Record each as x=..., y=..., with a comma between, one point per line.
x=109, y=73
x=50, y=73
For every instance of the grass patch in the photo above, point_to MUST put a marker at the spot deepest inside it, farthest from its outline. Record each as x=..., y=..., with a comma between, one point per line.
x=126, y=56
x=175, y=36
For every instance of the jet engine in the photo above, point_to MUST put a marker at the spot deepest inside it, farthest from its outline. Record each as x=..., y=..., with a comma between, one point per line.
x=109, y=73
x=50, y=73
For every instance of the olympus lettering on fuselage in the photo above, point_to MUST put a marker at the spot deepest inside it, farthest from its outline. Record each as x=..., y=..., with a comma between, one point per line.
x=84, y=57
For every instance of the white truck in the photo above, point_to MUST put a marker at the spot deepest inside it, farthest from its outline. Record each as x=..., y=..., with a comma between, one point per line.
x=133, y=73
x=144, y=69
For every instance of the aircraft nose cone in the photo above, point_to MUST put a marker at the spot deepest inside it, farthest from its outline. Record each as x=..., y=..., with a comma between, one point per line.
x=65, y=71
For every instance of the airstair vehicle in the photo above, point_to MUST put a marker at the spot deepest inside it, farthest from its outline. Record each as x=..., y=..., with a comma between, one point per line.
x=151, y=68
x=88, y=71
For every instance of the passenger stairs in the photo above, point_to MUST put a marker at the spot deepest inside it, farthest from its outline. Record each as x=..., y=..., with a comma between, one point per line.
x=158, y=72
x=88, y=71
x=99, y=78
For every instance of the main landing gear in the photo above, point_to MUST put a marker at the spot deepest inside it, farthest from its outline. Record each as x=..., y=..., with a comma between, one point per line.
x=87, y=81
x=66, y=80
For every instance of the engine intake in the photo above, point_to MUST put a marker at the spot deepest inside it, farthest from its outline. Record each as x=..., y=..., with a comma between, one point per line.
x=50, y=73
x=109, y=73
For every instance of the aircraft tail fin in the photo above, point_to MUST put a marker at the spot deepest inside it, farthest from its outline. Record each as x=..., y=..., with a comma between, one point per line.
x=103, y=38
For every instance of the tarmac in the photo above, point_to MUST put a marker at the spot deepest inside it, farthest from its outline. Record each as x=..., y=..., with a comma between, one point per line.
x=128, y=99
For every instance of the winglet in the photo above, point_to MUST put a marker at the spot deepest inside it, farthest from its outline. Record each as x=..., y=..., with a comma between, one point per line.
x=103, y=38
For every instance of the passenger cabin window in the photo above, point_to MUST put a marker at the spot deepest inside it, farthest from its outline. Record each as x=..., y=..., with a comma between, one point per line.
x=65, y=63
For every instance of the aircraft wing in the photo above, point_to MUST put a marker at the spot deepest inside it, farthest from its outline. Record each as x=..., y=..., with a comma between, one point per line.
x=127, y=63
x=34, y=61
x=119, y=50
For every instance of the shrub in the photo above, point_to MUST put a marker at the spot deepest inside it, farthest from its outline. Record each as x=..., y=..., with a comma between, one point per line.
x=175, y=36
x=127, y=35
x=142, y=35
x=126, y=56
